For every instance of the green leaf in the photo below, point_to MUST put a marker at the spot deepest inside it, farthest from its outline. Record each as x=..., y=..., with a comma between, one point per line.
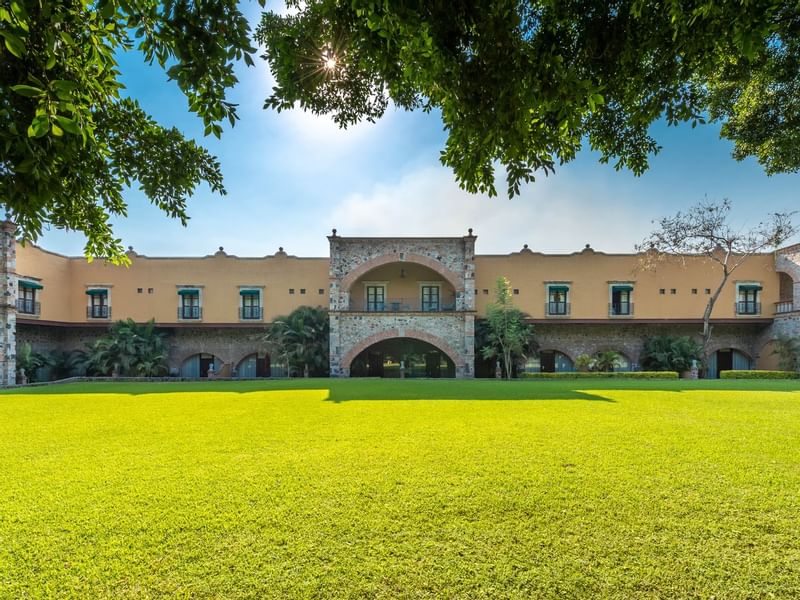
x=27, y=90
x=68, y=125
x=14, y=44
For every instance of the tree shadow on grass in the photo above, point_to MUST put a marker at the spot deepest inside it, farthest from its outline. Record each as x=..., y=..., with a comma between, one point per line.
x=468, y=391
x=345, y=390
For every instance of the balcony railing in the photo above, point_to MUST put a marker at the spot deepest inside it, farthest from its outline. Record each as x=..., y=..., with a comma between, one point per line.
x=190, y=312
x=556, y=309
x=393, y=305
x=28, y=307
x=98, y=312
x=248, y=313
x=746, y=307
x=786, y=306
x=620, y=309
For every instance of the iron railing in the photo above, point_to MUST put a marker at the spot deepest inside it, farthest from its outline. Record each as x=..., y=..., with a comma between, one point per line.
x=556, y=309
x=28, y=307
x=251, y=313
x=98, y=312
x=620, y=309
x=747, y=307
x=393, y=305
x=190, y=312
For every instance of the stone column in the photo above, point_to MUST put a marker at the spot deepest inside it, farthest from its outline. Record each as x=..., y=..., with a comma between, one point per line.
x=8, y=304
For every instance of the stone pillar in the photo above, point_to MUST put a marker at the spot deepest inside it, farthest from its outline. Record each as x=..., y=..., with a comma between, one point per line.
x=8, y=304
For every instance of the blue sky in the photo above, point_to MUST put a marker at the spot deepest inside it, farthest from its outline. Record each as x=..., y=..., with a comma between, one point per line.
x=291, y=177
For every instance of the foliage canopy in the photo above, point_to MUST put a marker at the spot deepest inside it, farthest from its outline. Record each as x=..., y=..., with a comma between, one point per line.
x=70, y=143
x=525, y=84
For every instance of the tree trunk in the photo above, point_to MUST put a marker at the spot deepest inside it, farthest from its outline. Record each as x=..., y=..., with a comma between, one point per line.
x=707, y=329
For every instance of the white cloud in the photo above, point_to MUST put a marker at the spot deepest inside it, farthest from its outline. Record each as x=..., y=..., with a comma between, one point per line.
x=557, y=214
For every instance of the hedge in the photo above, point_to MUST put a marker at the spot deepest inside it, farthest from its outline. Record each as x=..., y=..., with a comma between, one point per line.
x=603, y=375
x=759, y=375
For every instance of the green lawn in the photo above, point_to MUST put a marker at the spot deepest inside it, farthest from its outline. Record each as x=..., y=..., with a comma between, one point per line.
x=326, y=488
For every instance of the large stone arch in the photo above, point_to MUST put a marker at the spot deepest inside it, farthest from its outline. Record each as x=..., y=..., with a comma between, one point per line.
x=450, y=276
x=713, y=348
x=551, y=348
x=389, y=334
x=785, y=264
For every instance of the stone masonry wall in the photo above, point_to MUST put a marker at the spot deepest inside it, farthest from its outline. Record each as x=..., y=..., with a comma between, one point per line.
x=574, y=339
x=351, y=332
x=452, y=333
x=230, y=345
x=8, y=304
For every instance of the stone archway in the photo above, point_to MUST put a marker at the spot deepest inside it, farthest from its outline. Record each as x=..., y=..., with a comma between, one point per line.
x=389, y=334
x=451, y=277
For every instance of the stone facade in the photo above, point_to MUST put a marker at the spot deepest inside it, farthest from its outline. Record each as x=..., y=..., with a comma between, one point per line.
x=451, y=332
x=8, y=305
x=230, y=345
x=574, y=339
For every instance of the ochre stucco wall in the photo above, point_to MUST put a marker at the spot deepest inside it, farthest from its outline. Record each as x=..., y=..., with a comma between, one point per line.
x=219, y=277
x=591, y=273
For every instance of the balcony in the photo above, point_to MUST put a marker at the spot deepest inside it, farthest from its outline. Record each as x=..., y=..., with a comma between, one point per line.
x=620, y=309
x=747, y=307
x=786, y=306
x=251, y=313
x=556, y=309
x=28, y=307
x=98, y=312
x=190, y=312
x=395, y=305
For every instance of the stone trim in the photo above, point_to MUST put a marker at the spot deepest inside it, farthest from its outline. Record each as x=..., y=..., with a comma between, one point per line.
x=451, y=277
x=389, y=334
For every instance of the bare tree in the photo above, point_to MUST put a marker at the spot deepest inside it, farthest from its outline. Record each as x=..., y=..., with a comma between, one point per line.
x=705, y=231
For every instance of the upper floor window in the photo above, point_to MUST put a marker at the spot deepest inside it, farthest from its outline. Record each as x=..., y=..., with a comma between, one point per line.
x=250, y=307
x=27, y=303
x=748, y=300
x=430, y=298
x=621, y=304
x=99, y=306
x=376, y=298
x=557, y=300
x=189, y=306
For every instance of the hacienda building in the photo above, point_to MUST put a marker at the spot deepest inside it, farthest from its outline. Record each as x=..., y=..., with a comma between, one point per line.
x=392, y=301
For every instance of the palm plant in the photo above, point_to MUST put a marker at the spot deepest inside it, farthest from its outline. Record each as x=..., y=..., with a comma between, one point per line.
x=607, y=361
x=787, y=349
x=67, y=364
x=670, y=353
x=301, y=340
x=29, y=362
x=128, y=349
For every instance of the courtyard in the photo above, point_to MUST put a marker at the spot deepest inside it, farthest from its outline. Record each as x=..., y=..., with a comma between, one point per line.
x=389, y=488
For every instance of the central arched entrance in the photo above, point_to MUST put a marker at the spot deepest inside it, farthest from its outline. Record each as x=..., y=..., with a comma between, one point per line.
x=405, y=357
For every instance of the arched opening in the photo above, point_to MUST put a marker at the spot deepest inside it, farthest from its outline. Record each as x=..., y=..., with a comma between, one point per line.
x=623, y=363
x=402, y=357
x=549, y=361
x=254, y=365
x=198, y=365
x=402, y=287
x=727, y=359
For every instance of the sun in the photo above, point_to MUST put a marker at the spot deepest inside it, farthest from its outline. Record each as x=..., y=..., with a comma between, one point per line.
x=329, y=62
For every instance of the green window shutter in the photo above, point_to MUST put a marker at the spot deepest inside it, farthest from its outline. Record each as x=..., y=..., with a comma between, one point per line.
x=751, y=287
x=559, y=288
x=248, y=292
x=96, y=292
x=31, y=285
x=188, y=292
x=622, y=288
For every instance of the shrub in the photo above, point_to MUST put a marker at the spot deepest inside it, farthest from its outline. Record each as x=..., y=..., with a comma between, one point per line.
x=759, y=375
x=604, y=375
x=670, y=353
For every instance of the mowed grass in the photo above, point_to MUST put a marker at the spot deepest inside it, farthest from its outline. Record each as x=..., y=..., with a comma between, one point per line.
x=391, y=489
